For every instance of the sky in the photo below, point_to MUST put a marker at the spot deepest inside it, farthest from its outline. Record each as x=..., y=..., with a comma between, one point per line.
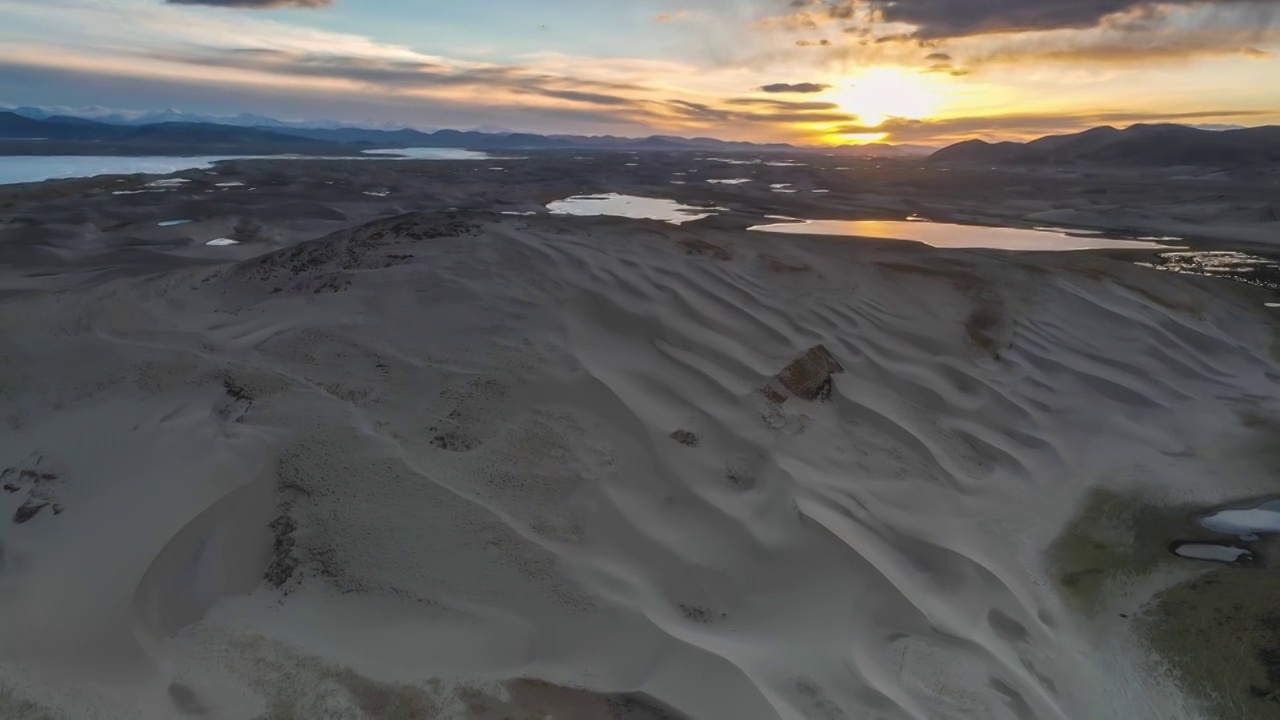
x=824, y=72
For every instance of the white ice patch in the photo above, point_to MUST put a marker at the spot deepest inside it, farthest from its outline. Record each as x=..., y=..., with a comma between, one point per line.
x=1264, y=518
x=1210, y=551
x=630, y=206
x=222, y=241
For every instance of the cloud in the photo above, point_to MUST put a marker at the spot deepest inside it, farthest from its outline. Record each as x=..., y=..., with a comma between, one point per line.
x=1111, y=46
x=255, y=4
x=804, y=87
x=962, y=36
x=1024, y=125
x=940, y=19
x=780, y=104
x=493, y=86
x=672, y=17
x=46, y=85
x=406, y=74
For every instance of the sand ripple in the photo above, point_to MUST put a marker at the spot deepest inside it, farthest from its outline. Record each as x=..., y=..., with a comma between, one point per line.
x=508, y=448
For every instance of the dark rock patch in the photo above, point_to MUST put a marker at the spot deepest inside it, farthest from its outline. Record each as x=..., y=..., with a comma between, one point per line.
x=283, y=564
x=702, y=615
x=808, y=376
x=778, y=265
x=684, y=437
x=702, y=248
x=454, y=442
x=28, y=510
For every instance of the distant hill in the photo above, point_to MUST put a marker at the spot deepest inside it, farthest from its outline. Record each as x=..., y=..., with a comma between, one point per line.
x=20, y=135
x=1139, y=145
x=34, y=124
x=14, y=126
x=477, y=140
x=885, y=150
x=116, y=117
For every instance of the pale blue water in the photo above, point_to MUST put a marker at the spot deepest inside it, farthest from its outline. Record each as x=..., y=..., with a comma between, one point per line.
x=37, y=168
x=427, y=153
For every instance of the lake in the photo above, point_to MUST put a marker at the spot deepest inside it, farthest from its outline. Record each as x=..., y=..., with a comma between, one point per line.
x=951, y=235
x=37, y=168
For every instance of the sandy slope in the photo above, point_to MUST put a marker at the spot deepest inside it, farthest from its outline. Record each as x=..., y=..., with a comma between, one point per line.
x=392, y=471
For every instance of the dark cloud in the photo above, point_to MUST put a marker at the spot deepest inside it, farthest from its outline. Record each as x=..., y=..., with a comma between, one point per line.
x=407, y=75
x=588, y=98
x=937, y=19
x=255, y=4
x=956, y=18
x=804, y=87
x=757, y=110
x=941, y=63
x=1169, y=45
x=1141, y=32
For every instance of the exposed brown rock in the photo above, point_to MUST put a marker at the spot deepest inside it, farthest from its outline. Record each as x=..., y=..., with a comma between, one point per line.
x=778, y=265
x=773, y=395
x=809, y=376
x=704, y=248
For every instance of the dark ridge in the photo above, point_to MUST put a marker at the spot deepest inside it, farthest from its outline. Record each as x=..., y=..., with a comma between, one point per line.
x=1140, y=145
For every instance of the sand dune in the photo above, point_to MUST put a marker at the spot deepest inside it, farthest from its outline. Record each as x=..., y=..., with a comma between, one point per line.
x=474, y=465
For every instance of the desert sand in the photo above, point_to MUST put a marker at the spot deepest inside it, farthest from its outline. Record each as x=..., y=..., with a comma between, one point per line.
x=409, y=455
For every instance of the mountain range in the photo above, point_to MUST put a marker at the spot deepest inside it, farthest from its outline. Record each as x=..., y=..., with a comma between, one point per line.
x=1161, y=145
x=168, y=115
x=21, y=135
x=33, y=130
x=151, y=133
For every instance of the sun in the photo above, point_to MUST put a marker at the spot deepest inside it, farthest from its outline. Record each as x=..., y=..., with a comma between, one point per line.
x=881, y=93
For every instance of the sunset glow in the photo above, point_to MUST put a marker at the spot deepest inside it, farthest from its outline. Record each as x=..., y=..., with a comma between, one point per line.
x=881, y=93
x=818, y=71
